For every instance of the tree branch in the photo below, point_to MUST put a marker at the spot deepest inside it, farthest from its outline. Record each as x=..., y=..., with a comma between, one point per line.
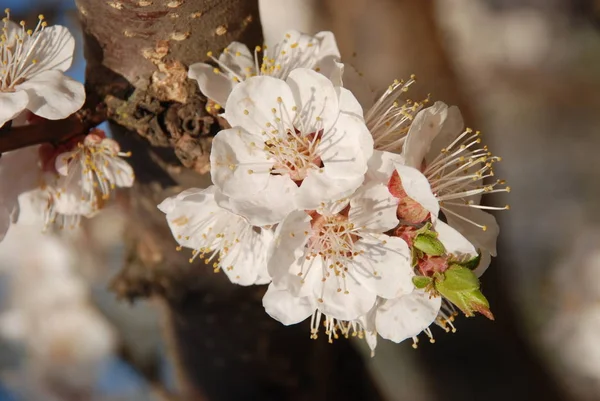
x=52, y=131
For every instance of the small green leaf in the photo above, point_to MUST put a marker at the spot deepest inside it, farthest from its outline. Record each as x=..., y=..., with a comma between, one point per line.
x=460, y=286
x=421, y=281
x=429, y=244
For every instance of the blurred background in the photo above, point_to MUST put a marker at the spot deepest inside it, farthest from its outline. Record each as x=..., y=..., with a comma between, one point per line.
x=525, y=72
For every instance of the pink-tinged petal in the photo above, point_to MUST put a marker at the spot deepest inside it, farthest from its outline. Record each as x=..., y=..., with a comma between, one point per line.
x=269, y=206
x=423, y=130
x=215, y=86
x=53, y=50
x=320, y=187
x=239, y=164
x=282, y=306
x=385, y=266
x=417, y=187
x=12, y=104
x=373, y=209
x=405, y=317
x=250, y=105
x=316, y=98
x=453, y=241
x=342, y=297
x=382, y=165
x=61, y=163
x=53, y=95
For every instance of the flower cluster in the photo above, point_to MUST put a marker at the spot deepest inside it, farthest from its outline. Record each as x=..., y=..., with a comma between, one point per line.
x=368, y=221
x=72, y=179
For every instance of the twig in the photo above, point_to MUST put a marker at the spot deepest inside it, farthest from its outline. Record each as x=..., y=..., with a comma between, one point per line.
x=53, y=131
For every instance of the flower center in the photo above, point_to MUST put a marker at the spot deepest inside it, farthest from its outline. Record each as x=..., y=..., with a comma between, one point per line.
x=16, y=48
x=295, y=154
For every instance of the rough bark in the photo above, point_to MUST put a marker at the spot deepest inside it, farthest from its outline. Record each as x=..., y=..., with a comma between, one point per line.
x=225, y=346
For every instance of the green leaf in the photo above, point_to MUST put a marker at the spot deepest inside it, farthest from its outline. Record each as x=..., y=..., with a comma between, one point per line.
x=429, y=244
x=460, y=286
x=421, y=281
x=471, y=264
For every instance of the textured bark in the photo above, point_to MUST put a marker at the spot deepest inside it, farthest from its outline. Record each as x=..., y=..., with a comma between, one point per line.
x=225, y=347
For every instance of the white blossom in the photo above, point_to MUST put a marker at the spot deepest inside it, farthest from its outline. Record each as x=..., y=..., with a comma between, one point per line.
x=218, y=236
x=336, y=261
x=237, y=63
x=456, y=167
x=31, y=76
x=293, y=145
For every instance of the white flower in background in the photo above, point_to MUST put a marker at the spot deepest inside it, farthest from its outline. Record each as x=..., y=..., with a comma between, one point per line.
x=237, y=63
x=336, y=261
x=31, y=75
x=456, y=167
x=19, y=172
x=219, y=236
x=89, y=173
x=294, y=145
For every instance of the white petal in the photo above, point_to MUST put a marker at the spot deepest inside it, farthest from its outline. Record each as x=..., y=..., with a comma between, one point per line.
x=417, y=187
x=214, y=86
x=373, y=208
x=251, y=102
x=343, y=298
x=385, y=266
x=53, y=95
x=120, y=172
x=405, y=317
x=484, y=263
x=5, y=220
x=282, y=306
x=349, y=104
x=320, y=187
x=53, y=51
x=328, y=53
x=346, y=149
x=269, y=206
x=287, y=251
x=11, y=104
x=382, y=165
x=453, y=241
x=423, y=130
x=316, y=98
x=486, y=240
x=336, y=77
x=239, y=165
x=238, y=59
x=359, y=86
x=246, y=263
x=452, y=126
